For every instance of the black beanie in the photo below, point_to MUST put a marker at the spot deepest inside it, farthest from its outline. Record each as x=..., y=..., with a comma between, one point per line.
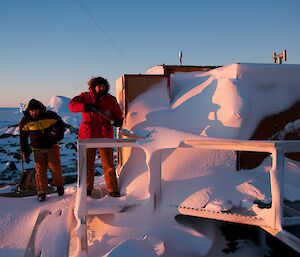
x=34, y=104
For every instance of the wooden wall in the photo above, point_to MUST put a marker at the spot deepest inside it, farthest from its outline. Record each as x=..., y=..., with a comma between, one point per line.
x=268, y=129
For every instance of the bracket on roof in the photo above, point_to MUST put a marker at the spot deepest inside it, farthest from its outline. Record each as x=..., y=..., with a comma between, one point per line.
x=277, y=58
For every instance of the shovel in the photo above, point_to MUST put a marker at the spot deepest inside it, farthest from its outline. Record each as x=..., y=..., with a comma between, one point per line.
x=125, y=132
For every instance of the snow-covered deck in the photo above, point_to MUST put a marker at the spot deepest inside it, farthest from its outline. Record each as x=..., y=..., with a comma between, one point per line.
x=278, y=215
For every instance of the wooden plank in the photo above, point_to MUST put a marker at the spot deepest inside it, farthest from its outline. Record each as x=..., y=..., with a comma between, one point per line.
x=246, y=145
x=224, y=216
x=285, y=236
x=234, y=145
x=108, y=142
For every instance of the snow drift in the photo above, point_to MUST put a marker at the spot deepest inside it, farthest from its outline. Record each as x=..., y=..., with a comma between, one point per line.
x=227, y=102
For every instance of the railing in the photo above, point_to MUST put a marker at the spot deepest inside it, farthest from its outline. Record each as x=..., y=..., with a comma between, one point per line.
x=277, y=149
x=275, y=220
x=81, y=210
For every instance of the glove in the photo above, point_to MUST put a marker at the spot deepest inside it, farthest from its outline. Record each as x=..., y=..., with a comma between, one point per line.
x=25, y=157
x=91, y=108
x=57, y=131
x=118, y=123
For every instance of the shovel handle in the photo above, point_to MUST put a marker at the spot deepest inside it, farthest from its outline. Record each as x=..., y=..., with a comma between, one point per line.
x=103, y=115
x=125, y=132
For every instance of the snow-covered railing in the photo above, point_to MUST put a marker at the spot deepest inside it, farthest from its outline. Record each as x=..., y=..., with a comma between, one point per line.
x=277, y=149
x=81, y=197
x=275, y=222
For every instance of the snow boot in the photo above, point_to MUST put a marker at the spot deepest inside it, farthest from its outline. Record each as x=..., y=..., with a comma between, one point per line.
x=60, y=190
x=89, y=192
x=115, y=194
x=41, y=197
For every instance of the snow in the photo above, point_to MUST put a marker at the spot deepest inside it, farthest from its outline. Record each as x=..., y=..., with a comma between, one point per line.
x=141, y=248
x=227, y=102
x=18, y=216
x=59, y=104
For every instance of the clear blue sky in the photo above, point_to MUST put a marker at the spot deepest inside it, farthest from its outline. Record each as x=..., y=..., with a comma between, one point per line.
x=53, y=47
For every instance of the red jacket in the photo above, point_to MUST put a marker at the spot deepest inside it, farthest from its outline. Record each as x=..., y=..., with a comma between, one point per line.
x=94, y=125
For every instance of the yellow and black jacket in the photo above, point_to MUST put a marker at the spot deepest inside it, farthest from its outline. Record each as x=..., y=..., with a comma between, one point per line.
x=44, y=131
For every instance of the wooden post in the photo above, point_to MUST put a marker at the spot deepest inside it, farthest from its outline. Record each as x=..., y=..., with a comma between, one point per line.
x=277, y=186
x=81, y=205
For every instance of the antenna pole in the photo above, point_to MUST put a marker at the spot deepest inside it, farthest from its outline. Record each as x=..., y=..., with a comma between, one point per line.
x=180, y=57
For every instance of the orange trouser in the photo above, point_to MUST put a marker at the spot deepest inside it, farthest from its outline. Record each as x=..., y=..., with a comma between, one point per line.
x=44, y=158
x=107, y=159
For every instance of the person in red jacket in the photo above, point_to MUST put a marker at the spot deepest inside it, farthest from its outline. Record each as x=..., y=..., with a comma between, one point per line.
x=94, y=125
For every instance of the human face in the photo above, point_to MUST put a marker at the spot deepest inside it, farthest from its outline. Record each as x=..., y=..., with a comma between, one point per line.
x=99, y=89
x=34, y=113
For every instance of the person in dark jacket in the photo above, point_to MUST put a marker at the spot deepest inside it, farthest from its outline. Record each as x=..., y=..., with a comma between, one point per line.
x=44, y=128
x=94, y=125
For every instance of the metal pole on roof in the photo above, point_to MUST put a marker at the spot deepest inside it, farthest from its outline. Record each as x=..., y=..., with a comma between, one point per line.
x=284, y=55
x=277, y=58
x=180, y=57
